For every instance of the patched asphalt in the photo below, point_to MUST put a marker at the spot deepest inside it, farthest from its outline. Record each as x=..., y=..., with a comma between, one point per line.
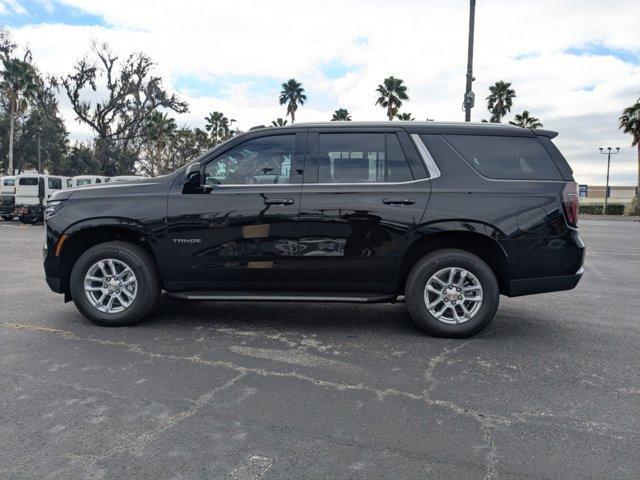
x=282, y=390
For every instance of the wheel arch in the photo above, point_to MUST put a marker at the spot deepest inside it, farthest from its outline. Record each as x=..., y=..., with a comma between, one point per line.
x=84, y=235
x=475, y=238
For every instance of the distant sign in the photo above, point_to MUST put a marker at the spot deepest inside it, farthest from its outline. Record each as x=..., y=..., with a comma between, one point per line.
x=583, y=190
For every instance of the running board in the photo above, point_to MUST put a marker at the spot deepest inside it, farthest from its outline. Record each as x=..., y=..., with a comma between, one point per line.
x=287, y=296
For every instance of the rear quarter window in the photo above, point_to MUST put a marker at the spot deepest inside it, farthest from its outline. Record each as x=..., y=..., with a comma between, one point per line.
x=508, y=158
x=31, y=182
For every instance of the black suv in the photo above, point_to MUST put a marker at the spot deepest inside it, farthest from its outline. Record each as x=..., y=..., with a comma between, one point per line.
x=445, y=216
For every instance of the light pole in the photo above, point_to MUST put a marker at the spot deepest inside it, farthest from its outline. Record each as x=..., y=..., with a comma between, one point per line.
x=469, y=96
x=608, y=152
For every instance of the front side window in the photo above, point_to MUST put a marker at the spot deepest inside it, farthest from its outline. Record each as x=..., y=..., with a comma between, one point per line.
x=264, y=160
x=28, y=182
x=9, y=182
x=55, y=183
x=361, y=158
x=514, y=158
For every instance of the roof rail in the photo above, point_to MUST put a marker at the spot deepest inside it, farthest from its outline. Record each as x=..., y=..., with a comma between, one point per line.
x=544, y=133
x=257, y=127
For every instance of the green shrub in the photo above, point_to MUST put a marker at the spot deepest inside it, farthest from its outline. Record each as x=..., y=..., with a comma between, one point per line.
x=596, y=208
x=634, y=208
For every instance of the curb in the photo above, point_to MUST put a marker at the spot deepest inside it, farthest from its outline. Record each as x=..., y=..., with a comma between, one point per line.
x=620, y=218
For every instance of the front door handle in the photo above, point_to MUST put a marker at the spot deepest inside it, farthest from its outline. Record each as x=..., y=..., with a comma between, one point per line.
x=398, y=201
x=278, y=201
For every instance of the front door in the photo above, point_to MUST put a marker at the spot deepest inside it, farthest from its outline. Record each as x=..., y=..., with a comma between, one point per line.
x=364, y=193
x=240, y=231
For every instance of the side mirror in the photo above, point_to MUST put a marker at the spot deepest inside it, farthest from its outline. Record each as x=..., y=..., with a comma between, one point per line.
x=193, y=175
x=193, y=179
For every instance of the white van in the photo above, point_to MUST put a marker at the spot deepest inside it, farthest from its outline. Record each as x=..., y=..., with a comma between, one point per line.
x=31, y=193
x=128, y=178
x=82, y=180
x=7, y=197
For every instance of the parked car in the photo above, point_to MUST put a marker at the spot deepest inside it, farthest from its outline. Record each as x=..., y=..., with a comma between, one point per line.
x=83, y=180
x=31, y=193
x=445, y=216
x=7, y=197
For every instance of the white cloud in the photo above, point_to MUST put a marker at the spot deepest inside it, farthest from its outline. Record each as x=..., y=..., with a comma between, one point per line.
x=11, y=6
x=423, y=42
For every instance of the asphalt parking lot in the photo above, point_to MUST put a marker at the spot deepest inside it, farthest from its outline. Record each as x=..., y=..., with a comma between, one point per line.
x=276, y=390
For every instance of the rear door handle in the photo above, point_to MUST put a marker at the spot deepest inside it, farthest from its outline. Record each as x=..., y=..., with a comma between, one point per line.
x=398, y=201
x=278, y=201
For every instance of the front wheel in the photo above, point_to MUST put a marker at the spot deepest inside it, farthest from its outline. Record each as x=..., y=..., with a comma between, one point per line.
x=115, y=284
x=452, y=293
x=7, y=217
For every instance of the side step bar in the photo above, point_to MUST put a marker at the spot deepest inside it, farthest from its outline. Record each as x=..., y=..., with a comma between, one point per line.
x=288, y=297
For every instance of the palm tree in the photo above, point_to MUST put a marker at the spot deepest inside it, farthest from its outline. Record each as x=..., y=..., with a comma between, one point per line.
x=219, y=126
x=341, y=115
x=391, y=94
x=405, y=117
x=160, y=130
x=278, y=122
x=292, y=95
x=19, y=84
x=525, y=120
x=630, y=123
x=500, y=100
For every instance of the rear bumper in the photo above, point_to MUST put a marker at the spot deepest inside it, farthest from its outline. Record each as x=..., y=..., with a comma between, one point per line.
x=529, y=286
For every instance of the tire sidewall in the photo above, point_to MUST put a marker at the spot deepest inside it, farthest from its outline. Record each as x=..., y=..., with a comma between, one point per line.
x=431, y=264
x=140, y=269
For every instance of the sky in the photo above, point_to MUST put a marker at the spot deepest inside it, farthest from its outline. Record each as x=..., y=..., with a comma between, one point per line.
x=575, y=64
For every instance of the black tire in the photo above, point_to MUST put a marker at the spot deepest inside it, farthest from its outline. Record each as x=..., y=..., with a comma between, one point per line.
x=427, y=266
x=8, y=218
x=142, y=265
x=28, y=220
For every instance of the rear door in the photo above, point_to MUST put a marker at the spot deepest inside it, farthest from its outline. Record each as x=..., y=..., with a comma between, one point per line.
x=27, y=190
x=364, y=192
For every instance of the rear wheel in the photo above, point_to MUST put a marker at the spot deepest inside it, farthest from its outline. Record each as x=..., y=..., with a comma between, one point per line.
x=452, y=293
x=115, y=284
x=28, y=219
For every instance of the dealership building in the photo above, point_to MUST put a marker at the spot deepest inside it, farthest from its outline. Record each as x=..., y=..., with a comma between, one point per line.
x=596, y=193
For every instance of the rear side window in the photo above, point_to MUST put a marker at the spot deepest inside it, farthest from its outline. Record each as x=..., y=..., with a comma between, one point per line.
x=9, y=182
x=513, y=158
x=55, y=183
x=28, y=182
x=361, y=158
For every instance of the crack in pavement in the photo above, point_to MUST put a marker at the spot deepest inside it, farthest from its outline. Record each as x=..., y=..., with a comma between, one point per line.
x=485, y=420
x=171, y=421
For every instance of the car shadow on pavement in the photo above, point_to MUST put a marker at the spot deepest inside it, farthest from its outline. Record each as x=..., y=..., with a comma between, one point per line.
x=306, y=316
x=310, y=318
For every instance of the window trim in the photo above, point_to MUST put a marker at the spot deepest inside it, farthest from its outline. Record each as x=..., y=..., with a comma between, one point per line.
x=432, y=167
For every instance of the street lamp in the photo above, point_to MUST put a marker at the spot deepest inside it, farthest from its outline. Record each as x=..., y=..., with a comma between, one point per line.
x=469, y=96
x=608, y=152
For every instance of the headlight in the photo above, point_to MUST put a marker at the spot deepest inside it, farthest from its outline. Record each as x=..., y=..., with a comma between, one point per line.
x=53, y=208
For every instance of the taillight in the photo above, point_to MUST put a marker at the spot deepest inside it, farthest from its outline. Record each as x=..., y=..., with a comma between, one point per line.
x=570, y=203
